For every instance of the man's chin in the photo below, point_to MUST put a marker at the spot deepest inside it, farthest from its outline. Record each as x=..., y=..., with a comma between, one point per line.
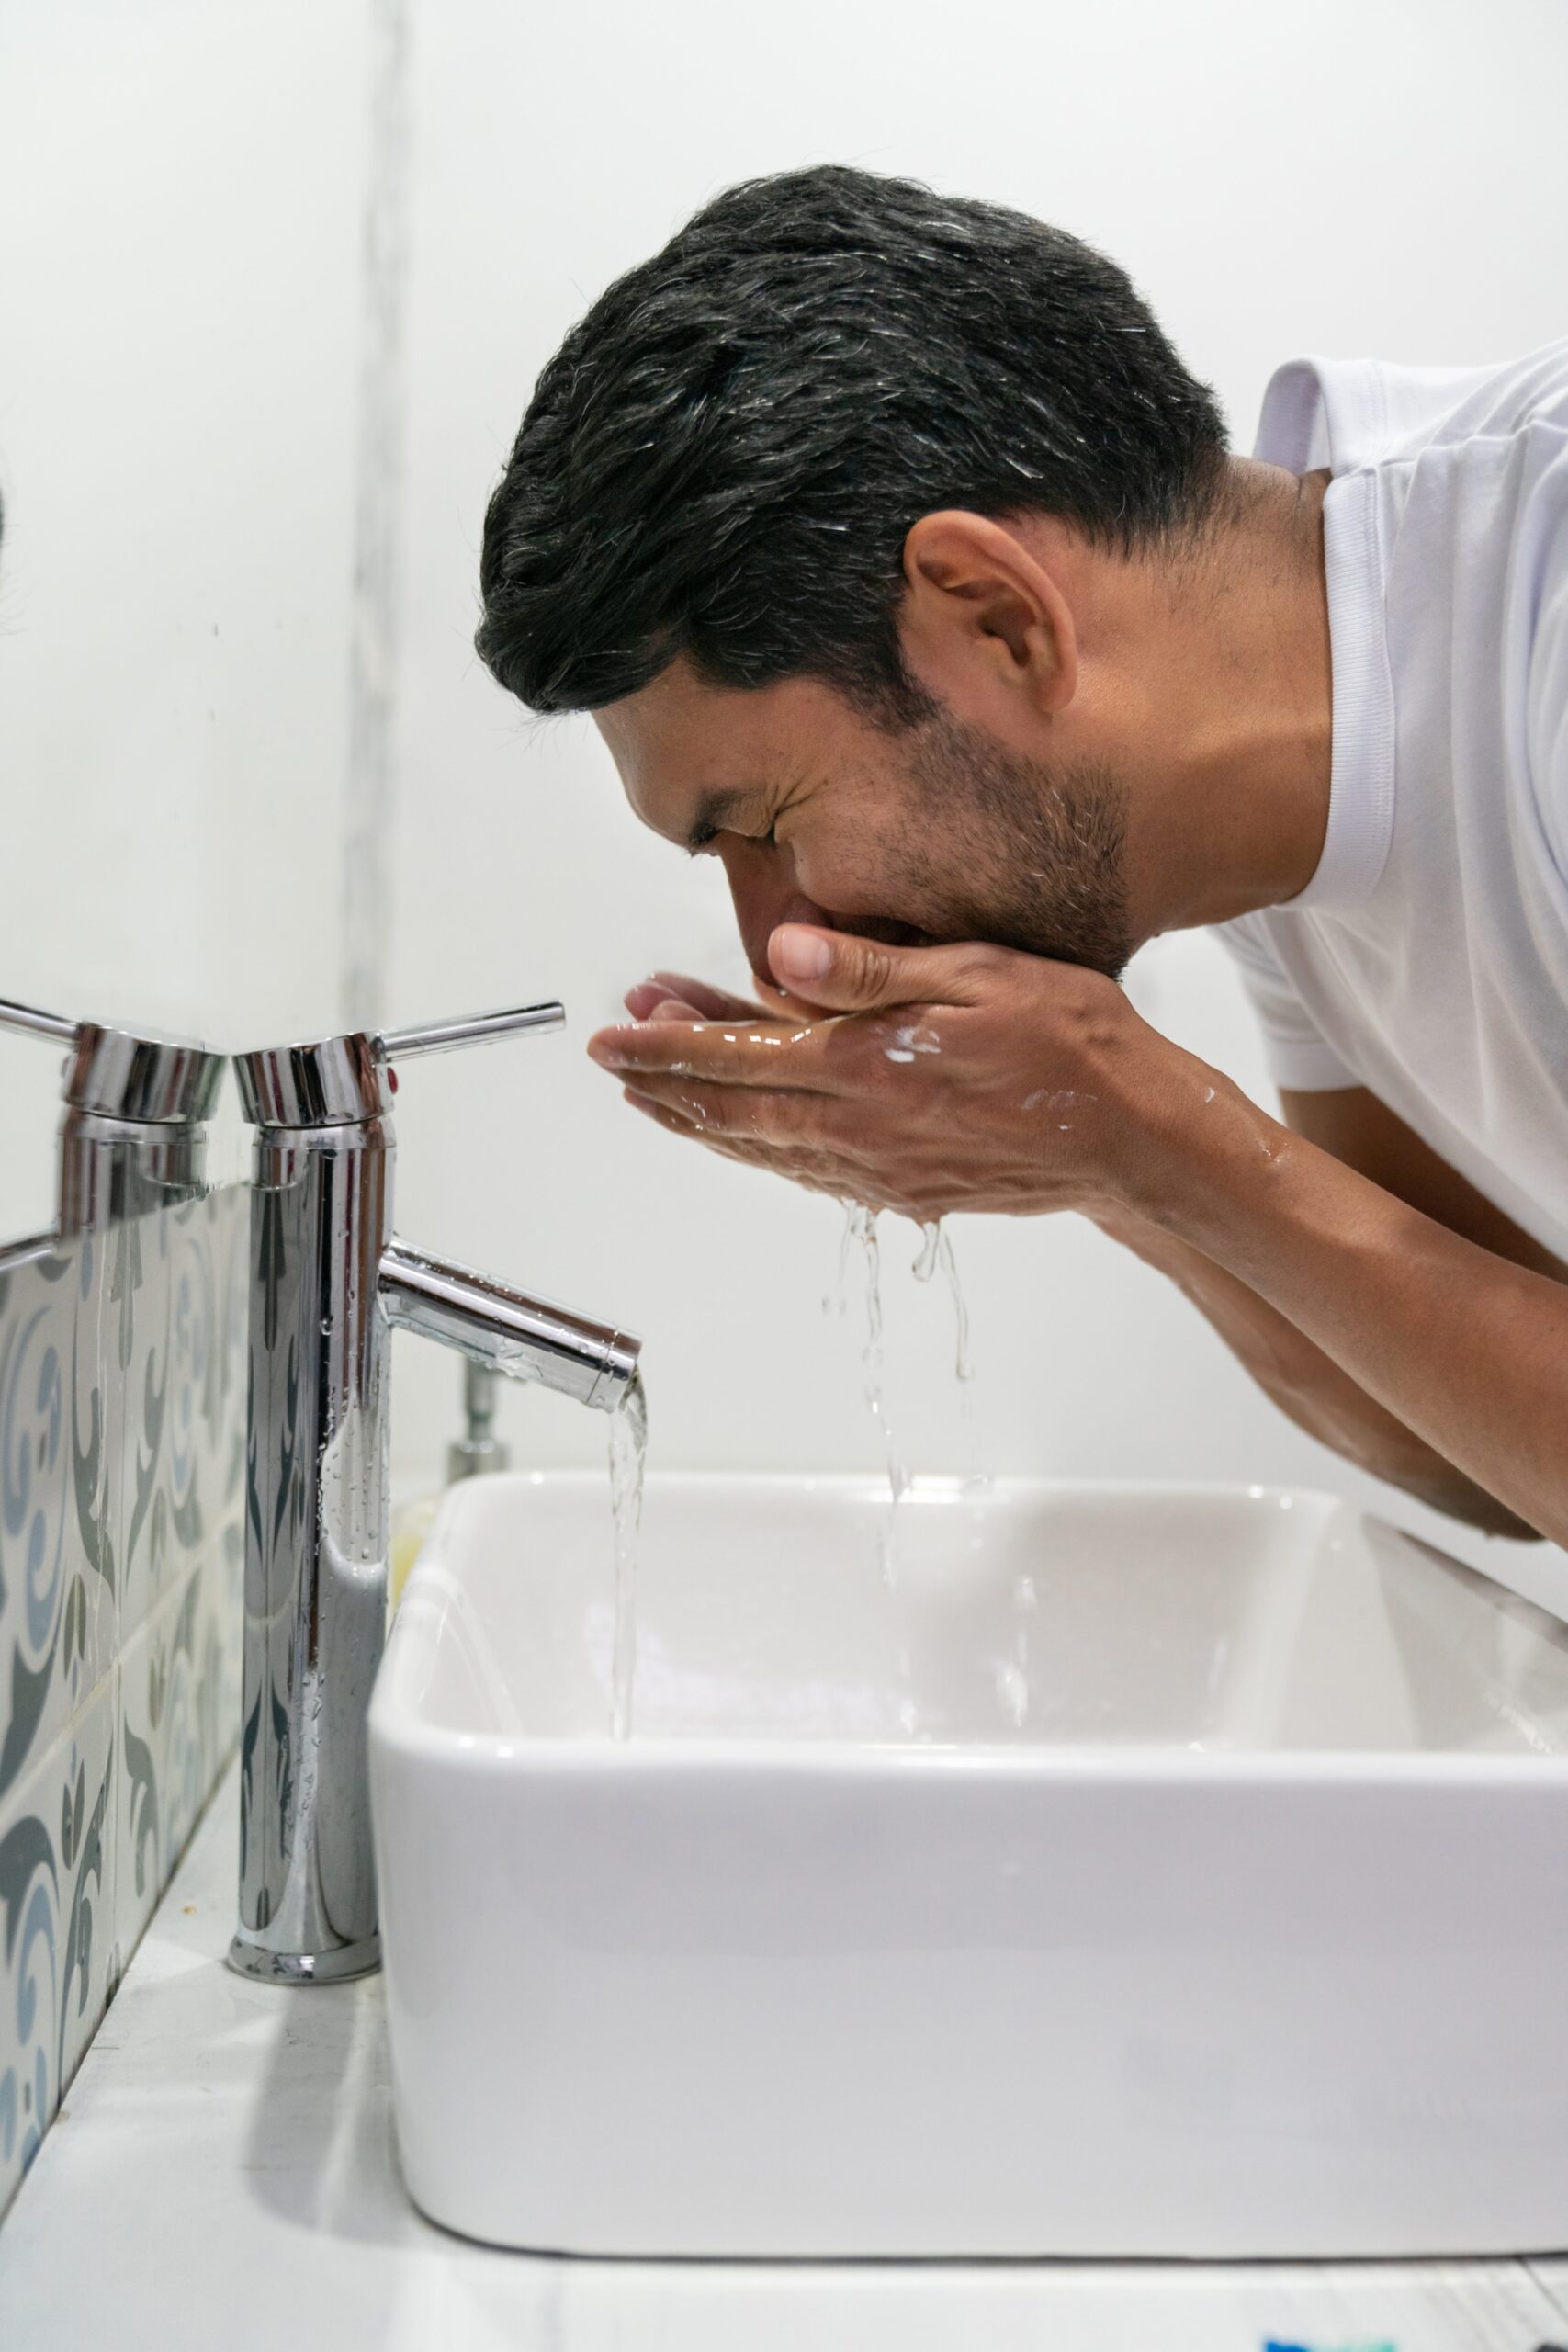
x=1104, y=947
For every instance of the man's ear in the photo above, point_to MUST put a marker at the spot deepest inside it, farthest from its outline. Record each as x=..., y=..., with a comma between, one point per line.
x=982, y=612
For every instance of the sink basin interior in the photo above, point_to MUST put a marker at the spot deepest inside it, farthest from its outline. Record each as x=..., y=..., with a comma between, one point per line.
x=1030, y=1617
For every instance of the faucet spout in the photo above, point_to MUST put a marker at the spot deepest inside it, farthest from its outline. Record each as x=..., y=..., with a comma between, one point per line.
x=527, y=1338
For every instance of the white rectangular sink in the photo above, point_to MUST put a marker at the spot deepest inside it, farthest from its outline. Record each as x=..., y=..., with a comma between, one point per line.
x=1148, y=1871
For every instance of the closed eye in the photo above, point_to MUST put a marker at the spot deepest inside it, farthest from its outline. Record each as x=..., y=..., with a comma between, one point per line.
x=702, y=837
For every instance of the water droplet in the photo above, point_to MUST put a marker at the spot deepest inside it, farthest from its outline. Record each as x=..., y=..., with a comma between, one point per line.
x=1013, y=1689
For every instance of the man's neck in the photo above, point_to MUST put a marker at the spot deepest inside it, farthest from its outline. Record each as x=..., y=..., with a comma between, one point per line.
x=1240, y=699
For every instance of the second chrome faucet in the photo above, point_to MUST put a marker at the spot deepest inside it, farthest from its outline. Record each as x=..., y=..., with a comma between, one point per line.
x=328, y=1280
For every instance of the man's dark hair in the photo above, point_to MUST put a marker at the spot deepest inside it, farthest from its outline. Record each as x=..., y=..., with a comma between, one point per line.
x=726, y=454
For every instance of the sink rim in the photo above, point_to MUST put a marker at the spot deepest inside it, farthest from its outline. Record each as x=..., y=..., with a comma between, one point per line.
x=395, y=1721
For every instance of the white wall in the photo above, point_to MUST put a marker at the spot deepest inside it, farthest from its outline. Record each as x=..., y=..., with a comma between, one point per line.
x=181, y=187
x=1388, y=178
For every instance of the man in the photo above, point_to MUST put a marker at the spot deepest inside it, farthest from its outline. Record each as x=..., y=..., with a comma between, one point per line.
x=906, y=570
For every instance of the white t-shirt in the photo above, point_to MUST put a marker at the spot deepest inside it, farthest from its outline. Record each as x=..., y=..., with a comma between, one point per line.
x=1427, y=958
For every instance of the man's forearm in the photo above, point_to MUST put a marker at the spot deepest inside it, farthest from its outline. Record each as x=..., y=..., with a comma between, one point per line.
x=1308, y=1387
x=1468, y=1352
x=1042, y=1088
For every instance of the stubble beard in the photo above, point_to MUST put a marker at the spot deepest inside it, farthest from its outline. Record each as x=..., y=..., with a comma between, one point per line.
x=1008, y=851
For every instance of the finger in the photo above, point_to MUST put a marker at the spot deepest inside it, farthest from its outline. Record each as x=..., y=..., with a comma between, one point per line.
x=840, y=973
x=707, y=1003
x=818, y=1172
x=746, y=1115
x=673, y=1124
x=764, y=1054
x=641, y=1001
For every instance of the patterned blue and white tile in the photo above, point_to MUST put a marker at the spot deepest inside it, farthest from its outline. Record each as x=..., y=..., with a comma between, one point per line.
x=173, y=1736
x=57, y=1901
x=147, y=1537
x=59, y=1616
x=178, y=1436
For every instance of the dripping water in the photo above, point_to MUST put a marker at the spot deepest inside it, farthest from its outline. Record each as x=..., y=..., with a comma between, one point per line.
x=936, y=1255
x=977, y=1479
x=836, y=1305
x=1014, y=1686
x=628, y=1461
x=862, y=1228
x=932, y=1238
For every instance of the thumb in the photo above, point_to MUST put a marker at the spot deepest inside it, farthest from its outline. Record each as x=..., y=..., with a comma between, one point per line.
x=843, y=974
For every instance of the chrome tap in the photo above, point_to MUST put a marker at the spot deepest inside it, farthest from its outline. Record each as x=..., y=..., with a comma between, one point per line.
x=132, y=1133
x=328, y=1282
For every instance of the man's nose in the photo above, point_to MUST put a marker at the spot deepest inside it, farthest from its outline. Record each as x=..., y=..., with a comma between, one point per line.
x=763, y=888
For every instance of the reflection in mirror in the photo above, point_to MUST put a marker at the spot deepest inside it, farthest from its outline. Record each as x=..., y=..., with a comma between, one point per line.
x=134, y=1129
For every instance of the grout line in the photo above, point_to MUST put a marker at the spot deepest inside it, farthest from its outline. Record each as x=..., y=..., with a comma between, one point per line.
x=11, y=1805
x=1552, y=2288
x=69, y=1724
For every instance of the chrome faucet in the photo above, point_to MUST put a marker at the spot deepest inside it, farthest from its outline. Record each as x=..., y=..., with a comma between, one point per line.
x=132, y=1131
x=328, y=1282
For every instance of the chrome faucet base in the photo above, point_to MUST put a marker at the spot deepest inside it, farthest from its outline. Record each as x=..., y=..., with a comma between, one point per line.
x=328, y=1285
x=338, y=1966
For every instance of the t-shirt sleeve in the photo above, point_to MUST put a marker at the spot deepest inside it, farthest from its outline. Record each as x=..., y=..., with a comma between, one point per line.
x=1548, y=681
x=1300, y=1058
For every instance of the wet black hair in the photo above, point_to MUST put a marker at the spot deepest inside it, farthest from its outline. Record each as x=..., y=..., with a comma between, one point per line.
x=726, y=454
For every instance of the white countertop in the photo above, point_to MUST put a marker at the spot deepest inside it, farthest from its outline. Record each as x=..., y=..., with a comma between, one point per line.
x=223, y=2172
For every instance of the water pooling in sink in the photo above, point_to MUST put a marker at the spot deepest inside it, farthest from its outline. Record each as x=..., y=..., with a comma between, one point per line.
x=628, y=1461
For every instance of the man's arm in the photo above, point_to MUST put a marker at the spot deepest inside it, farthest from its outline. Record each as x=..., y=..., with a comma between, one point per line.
x=1462, y=1344
x=935, y=1079
x=1306, y=1383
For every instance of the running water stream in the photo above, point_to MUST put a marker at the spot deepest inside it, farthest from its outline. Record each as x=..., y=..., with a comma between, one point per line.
x=628, y=1454
x=862, y=1228
x=628, y=1461
x=934, y=1257
x=1013, y=1677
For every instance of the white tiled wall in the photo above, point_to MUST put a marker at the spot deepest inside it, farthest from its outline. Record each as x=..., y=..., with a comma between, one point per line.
x=121, y=1553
